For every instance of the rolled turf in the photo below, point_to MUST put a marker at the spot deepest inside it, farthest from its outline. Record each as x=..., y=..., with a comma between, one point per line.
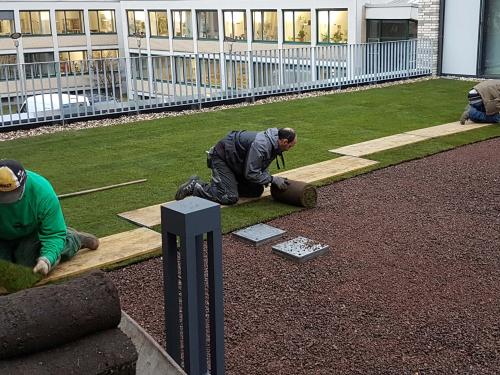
x=41, y=318
x=298, y=193
x=105, y=352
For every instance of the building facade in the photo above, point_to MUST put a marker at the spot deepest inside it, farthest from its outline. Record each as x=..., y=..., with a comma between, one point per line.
x=70, y=30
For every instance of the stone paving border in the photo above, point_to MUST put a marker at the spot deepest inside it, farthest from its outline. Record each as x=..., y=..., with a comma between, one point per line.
x=398, y=140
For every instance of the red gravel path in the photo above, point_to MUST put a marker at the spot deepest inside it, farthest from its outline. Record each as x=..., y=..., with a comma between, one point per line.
x=411, y=283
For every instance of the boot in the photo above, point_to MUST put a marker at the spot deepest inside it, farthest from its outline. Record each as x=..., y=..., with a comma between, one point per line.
x=187, y=188
x=88, y=241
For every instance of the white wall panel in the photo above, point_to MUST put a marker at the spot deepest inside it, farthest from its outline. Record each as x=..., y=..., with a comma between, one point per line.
x=460, y=38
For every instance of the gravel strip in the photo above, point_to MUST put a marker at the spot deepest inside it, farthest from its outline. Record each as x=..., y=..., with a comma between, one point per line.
x=410, y=285
x=129, y=118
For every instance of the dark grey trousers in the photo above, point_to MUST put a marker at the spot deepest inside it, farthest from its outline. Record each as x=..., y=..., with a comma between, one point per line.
x=225, y=187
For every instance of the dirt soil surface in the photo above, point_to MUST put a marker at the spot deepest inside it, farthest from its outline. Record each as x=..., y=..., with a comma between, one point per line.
x=410, y=285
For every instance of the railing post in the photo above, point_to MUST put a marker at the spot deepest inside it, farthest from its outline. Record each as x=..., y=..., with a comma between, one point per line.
x=59, y=90
x=198, y=79
x=251, y=78
x=188, y=220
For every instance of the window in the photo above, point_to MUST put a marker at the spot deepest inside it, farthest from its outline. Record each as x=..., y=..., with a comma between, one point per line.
x=235, y=25
x=158, y=23
x=139, y=66
x=104, y=59
x=8, y=69
x=390, y=30
x=185, y=70
x=105, y=54
x=297, y=26
x=136, y=22
x=265, y=26
x=210, y=72
x=73, y=61
x=40, y=64
x=182, y=24
x=490, y=32
x=332, y=26
x=208, y=24
x=102, y=21
x=162, y=71
x=69, y=21
x=6, y=23
x=236, y=74
x=35, y=22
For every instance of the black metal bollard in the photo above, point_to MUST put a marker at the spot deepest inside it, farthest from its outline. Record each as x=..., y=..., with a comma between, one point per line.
x=189, y=219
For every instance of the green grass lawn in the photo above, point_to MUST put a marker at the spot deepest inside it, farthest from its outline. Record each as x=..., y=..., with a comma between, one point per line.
x=167, y=151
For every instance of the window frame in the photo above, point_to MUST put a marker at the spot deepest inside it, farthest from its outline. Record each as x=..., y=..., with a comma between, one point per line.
x=233, y=39
x=318, y=25
x=12, y=24
x=198, y=12
x=31, y=22
x=294, y=41
x=113, y=16
x=135, y=29
x=150, y=24
x=262, y=11
x=82, y=21
x=173, y=23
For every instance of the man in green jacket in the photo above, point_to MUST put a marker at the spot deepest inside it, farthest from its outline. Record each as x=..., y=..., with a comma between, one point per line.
x=32, y=228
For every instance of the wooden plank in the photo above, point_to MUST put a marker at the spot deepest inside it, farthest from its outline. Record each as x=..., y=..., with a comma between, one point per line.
x=151, y=216
x=112, y=249
x=82, y=192
x=379, y=144
x=446, y=129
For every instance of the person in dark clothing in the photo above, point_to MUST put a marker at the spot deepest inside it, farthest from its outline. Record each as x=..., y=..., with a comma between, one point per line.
x=239, y=164
x=484, y=103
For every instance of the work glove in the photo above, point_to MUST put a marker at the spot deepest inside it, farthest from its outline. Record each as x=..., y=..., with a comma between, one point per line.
x=280, y=182
x=42, y=266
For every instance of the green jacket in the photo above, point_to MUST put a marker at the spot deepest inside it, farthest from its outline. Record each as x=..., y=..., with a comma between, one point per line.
x=38, y=210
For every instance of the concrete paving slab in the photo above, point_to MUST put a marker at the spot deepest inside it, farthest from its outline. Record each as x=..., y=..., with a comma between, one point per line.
x=379, y=144
x=259, y=234
x=112, y=249
x=300, y=249
x=446, y=129
x=151, y=216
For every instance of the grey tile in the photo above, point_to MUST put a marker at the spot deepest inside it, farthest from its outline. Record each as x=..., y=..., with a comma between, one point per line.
x=259, y=234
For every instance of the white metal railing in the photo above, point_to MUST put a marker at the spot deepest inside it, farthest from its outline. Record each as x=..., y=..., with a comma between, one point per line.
x=56, y=91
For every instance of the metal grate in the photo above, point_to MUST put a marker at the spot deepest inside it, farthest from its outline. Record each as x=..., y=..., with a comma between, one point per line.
x=300, y=249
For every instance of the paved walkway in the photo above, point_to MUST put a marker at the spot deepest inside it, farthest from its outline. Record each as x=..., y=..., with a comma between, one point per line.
x=143, y=241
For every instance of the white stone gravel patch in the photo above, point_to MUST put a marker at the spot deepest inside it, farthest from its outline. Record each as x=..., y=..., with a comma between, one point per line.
x=129, y=118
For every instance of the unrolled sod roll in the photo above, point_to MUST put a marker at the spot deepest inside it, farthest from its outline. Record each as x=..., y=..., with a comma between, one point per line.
x=298, y=193
x=41, y=318
x=105, y=352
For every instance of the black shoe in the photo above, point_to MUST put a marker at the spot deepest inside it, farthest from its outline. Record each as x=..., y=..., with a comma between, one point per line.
x=465, y=115
x=187, y=188
x=88, y=241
